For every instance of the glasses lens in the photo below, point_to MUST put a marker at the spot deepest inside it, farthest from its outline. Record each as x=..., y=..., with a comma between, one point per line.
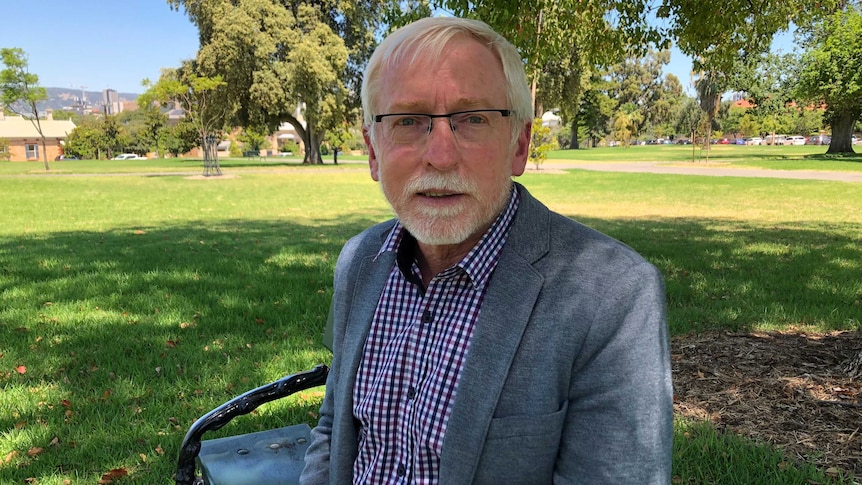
x=477, y=126
x=470, y=127
x=407, y=128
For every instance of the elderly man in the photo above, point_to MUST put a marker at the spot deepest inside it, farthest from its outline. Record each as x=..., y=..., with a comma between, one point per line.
x=480, y=337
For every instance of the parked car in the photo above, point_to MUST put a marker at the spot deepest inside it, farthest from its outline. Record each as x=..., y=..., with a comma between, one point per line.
x=794, y=140
x=724, y=141
x=754, y=140
x=739, y=141
x=683, y=141
x=855, y=140
x=65, y=157
x=779, y=140
x=818, y=140
x=129, y=156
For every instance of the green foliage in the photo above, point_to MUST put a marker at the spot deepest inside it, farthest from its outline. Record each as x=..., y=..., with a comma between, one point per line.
x=290, y=146
x=178, y=138
x=98, y=138
x=831, y=72
x=275, y=56
x=235, y=149
x=542, y=141
x=253, y=138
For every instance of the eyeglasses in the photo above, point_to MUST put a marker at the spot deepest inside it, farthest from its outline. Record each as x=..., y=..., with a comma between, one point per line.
x=469, y=127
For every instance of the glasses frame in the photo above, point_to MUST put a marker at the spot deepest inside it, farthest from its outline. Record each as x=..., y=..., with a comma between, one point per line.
x=505, y=113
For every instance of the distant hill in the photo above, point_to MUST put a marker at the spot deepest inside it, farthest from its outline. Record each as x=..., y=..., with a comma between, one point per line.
x=67, y=98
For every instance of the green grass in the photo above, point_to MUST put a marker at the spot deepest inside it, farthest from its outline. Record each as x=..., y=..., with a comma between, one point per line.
x=137, y=303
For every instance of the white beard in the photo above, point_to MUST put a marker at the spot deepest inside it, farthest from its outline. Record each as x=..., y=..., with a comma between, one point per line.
x=444, y=226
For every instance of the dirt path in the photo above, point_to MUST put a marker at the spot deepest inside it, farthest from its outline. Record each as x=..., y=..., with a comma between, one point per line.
x=712, y=170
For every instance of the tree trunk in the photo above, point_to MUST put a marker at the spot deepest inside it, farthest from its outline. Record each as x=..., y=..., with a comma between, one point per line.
x=708, y=136
x=574, y=143
x=842, y=129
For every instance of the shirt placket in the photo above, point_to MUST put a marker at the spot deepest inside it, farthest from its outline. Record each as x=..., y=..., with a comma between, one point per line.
x=418, y=352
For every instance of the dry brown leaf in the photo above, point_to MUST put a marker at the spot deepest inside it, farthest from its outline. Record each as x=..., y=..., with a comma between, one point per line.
x=10, y=456
x=35, y=451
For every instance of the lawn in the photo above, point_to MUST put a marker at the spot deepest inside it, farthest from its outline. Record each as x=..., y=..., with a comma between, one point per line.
x=132, y=304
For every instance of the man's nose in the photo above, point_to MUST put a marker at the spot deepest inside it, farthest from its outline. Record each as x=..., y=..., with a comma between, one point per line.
x=441, y=147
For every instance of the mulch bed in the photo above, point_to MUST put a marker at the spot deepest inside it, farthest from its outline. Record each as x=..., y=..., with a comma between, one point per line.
x=795, y=391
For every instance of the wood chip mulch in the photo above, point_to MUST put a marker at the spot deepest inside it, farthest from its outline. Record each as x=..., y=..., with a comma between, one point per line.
x=799, y=392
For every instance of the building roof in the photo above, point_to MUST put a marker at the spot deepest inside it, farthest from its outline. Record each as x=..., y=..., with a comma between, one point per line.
x=18, y=127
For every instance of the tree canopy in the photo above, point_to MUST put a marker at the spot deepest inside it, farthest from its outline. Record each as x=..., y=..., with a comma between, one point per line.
x=286, y=60
x=19, y=85
x=831, y=73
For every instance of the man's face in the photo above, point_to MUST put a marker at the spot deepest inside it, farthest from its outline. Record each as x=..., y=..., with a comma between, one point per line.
x=445, y=191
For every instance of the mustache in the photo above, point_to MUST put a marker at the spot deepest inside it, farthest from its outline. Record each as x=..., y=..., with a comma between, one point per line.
x=449, y=182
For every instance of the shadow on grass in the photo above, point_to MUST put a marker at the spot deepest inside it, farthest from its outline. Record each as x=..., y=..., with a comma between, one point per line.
x=115, y=342
x=736, y=276
x=128, y=336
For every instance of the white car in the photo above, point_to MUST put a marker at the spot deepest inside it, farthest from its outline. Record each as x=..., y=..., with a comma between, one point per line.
x=129, y=156
x=755, y=140
x=794, y=140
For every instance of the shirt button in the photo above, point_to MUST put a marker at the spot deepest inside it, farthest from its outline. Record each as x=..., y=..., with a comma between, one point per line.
x=401, y=470
x=411, y=393
x=427, y=316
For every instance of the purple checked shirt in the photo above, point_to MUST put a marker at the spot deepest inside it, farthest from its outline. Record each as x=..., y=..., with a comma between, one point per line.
x=413, y=356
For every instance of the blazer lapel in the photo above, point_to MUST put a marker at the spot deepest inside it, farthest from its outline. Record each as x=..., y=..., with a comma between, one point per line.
x=506, y=309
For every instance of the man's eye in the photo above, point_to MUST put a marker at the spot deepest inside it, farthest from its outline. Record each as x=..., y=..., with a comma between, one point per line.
x=407, y=121
x=473, y=120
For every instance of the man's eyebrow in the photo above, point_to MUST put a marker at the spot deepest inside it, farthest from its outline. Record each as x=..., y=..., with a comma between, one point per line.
x=421, y=106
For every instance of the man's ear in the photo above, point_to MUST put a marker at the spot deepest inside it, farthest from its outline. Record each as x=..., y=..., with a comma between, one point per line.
x=522, y=150
x=372, y=156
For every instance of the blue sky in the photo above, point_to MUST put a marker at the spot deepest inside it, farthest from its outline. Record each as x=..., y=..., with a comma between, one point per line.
x=98, y=43
x=116, y=44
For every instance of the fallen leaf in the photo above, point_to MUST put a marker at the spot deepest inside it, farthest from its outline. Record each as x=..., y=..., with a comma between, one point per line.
x=111, y=475
x=55, y=441
x=65, y=403
x=35, y=451
x=172, y=343
x=22, y=369
x=10, y=456
x=159, y=450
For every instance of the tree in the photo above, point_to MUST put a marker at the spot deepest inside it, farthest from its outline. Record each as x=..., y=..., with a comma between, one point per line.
x=710, y=87
x=831, y=73
x=689, y=120
x=19, y=86
x=97, y=138
x=197, y=95
x=276, y=55
x=179, y=138
x=252, y=139
x=767, y=82
x=542, y=141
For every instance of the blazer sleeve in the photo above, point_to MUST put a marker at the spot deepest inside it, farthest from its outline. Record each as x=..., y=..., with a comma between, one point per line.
x=619, y=423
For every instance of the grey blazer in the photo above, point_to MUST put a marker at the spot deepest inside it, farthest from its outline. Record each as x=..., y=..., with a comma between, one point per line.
x=567, y=379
